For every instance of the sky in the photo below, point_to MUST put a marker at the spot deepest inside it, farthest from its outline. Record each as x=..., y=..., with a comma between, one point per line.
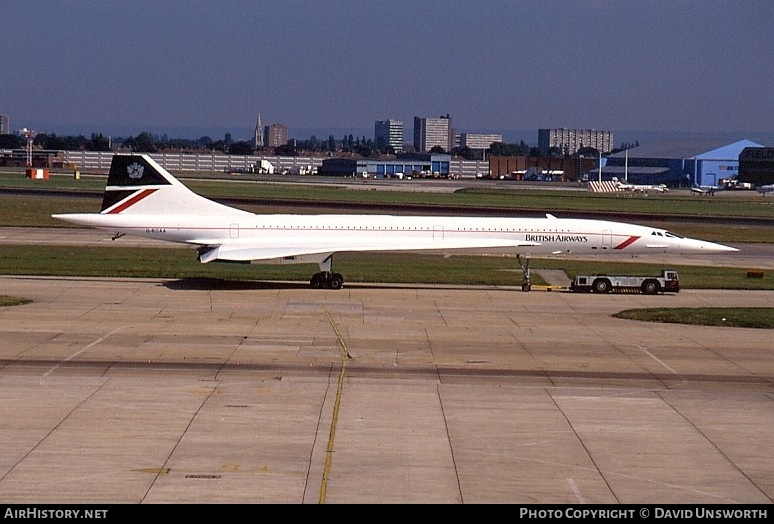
x=190, y=68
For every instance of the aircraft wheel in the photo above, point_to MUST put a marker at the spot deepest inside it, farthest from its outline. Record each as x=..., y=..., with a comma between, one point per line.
x=335, y=281
x=318, y=281
x=526, y=287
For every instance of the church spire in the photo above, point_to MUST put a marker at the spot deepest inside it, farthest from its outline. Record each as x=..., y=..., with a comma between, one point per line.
x=258, y=133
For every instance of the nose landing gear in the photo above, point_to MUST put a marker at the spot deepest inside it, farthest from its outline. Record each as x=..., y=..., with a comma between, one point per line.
x=526, y=285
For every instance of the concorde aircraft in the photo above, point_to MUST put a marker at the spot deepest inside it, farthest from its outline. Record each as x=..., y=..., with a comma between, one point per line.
x=142, y=198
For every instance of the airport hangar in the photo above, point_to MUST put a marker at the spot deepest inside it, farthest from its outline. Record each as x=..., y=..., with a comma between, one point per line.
x=677, y=163
x=404, y=165
x=756, y=166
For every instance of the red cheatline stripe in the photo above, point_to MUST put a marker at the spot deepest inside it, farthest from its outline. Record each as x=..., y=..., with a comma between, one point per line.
x=626, y=242
x=132, y=201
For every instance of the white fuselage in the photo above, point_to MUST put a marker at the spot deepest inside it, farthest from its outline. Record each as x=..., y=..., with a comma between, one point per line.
x=334, y=233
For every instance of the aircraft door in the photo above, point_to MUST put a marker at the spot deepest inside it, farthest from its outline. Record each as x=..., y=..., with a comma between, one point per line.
x=233, y=231
x=437, y=232
x=607, y=239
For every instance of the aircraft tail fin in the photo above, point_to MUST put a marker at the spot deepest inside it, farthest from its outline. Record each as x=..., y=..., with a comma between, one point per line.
x=137, y=184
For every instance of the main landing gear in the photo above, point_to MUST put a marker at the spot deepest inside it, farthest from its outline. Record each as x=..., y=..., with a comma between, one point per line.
x=526, y=285
x=326, y=278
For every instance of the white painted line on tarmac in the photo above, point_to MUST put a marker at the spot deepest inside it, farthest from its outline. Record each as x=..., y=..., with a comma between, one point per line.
x=77, y=353
x=654, y=357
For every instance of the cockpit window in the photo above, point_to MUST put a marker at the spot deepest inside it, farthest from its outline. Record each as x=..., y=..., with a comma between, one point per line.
x=665, y=234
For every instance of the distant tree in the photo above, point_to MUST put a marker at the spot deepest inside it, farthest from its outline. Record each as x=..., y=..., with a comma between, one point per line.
x=240, y=148
x=228, y=140
x=143, y=143
x=502, y=149
x=181, y=144
x=588, y=152
x=62, y=143
x=364, y=150
x=555, y=152
x=438, y=150
x=286, y=150
x=331, y=143
x=467, y=153
x=204, y=142
x=47, y=140
x=313, y=144
x=11, y=142
x=98, y=143
x=348, y=143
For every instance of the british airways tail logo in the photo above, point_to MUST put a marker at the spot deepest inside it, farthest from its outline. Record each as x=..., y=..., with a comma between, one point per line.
x=135, y=170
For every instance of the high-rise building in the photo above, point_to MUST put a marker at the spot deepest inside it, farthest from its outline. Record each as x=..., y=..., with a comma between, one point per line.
x=5, y=126
x=389, y=133
x=479, y=140
x=275, y=135
x=431, y=132
x=258, y=133
x=569, y=141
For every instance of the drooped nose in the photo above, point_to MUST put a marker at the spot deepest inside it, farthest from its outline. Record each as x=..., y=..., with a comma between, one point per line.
x=711, y=247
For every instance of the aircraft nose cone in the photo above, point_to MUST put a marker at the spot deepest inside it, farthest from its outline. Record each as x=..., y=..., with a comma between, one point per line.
x=719, y=248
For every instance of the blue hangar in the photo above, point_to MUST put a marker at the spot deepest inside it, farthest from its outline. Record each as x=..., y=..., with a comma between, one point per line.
x=678, y=163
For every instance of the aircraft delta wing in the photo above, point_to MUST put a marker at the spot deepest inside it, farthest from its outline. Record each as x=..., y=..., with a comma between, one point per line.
x=142, y=198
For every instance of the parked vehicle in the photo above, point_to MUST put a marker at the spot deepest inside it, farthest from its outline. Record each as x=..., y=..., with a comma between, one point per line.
x=667, y=282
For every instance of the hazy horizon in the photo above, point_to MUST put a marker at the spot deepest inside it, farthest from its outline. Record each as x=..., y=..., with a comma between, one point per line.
x=503, y=66
x=510, y=136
